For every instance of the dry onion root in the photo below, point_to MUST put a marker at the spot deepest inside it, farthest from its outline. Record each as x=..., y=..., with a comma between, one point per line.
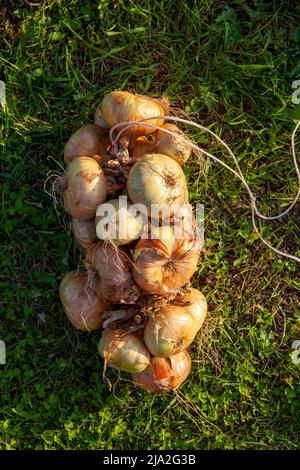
x=84, y=232
x=84, y=309
x=164, y=374
x=124, y=351
x=86, y=188
x=171, y=330
x=88, y=141
x=113, y=266
x=122, y=106
x=164, y=263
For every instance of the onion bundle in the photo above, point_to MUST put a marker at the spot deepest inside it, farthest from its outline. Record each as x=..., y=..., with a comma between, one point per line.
x=128, y=202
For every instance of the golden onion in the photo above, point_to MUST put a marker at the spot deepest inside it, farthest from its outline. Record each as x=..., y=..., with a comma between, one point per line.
x=172, y=146
x=113, y=266
x=84, y=232
x=157, y=180
x=164, y=373
x=83, y=308
x=142, y=146
x=170, y=331
x=164, y=263
x=124, y=351
x=195, y=302
x=122, y=106
x=88, y=141
x=86, y=188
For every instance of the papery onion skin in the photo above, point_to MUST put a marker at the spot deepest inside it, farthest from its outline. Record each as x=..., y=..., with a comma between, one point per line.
x=122, y=106
x=120, y=226
x=124, y=351
x=165, y=264
x=157, y=179
x=195, y=302
x=113, y=266
x=172, y=146
x=88, y=141
x=86, y=188
x=164, y=374
x=171, y=331
x=83, y=309
x=84, y=232
x=98, y=119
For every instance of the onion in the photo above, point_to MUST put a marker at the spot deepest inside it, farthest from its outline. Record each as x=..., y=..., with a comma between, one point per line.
x=124, y=351
x=84, y=232
x=171, y=331
x=172, y=146
x=86, y=188
x=157, y=179
x=164, y=374
x=113, y=266
x=98, y=119
x=141, y=147
x=121, y=106
x=84, y=309
x=88, y=141
x=195, y=302
x=164, y=263
x=117, y=222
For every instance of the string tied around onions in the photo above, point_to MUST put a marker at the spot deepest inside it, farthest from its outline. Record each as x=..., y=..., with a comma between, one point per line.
x=255, y=213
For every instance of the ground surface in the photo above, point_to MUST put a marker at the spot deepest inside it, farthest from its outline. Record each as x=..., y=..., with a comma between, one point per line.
x=233, y=64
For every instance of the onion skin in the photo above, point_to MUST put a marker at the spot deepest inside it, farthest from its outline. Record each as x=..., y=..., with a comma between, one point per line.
x=84, y=310
x=122, y=106
x=172, y=146
x=172, y=331
x=98, y=119
x=88, y=141
x=124, y=351
x=195, y=302
x=164, y=374
x=86, y=188
x=157, y=179
x=84, y=232
x=141, y=147
x=165, y=264
x=116, y=282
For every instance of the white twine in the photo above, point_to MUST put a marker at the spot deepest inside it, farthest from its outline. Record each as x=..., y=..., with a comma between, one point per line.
x=239, y=174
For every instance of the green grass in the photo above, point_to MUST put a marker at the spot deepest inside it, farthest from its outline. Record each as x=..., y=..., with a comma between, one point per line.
x=233, y=64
